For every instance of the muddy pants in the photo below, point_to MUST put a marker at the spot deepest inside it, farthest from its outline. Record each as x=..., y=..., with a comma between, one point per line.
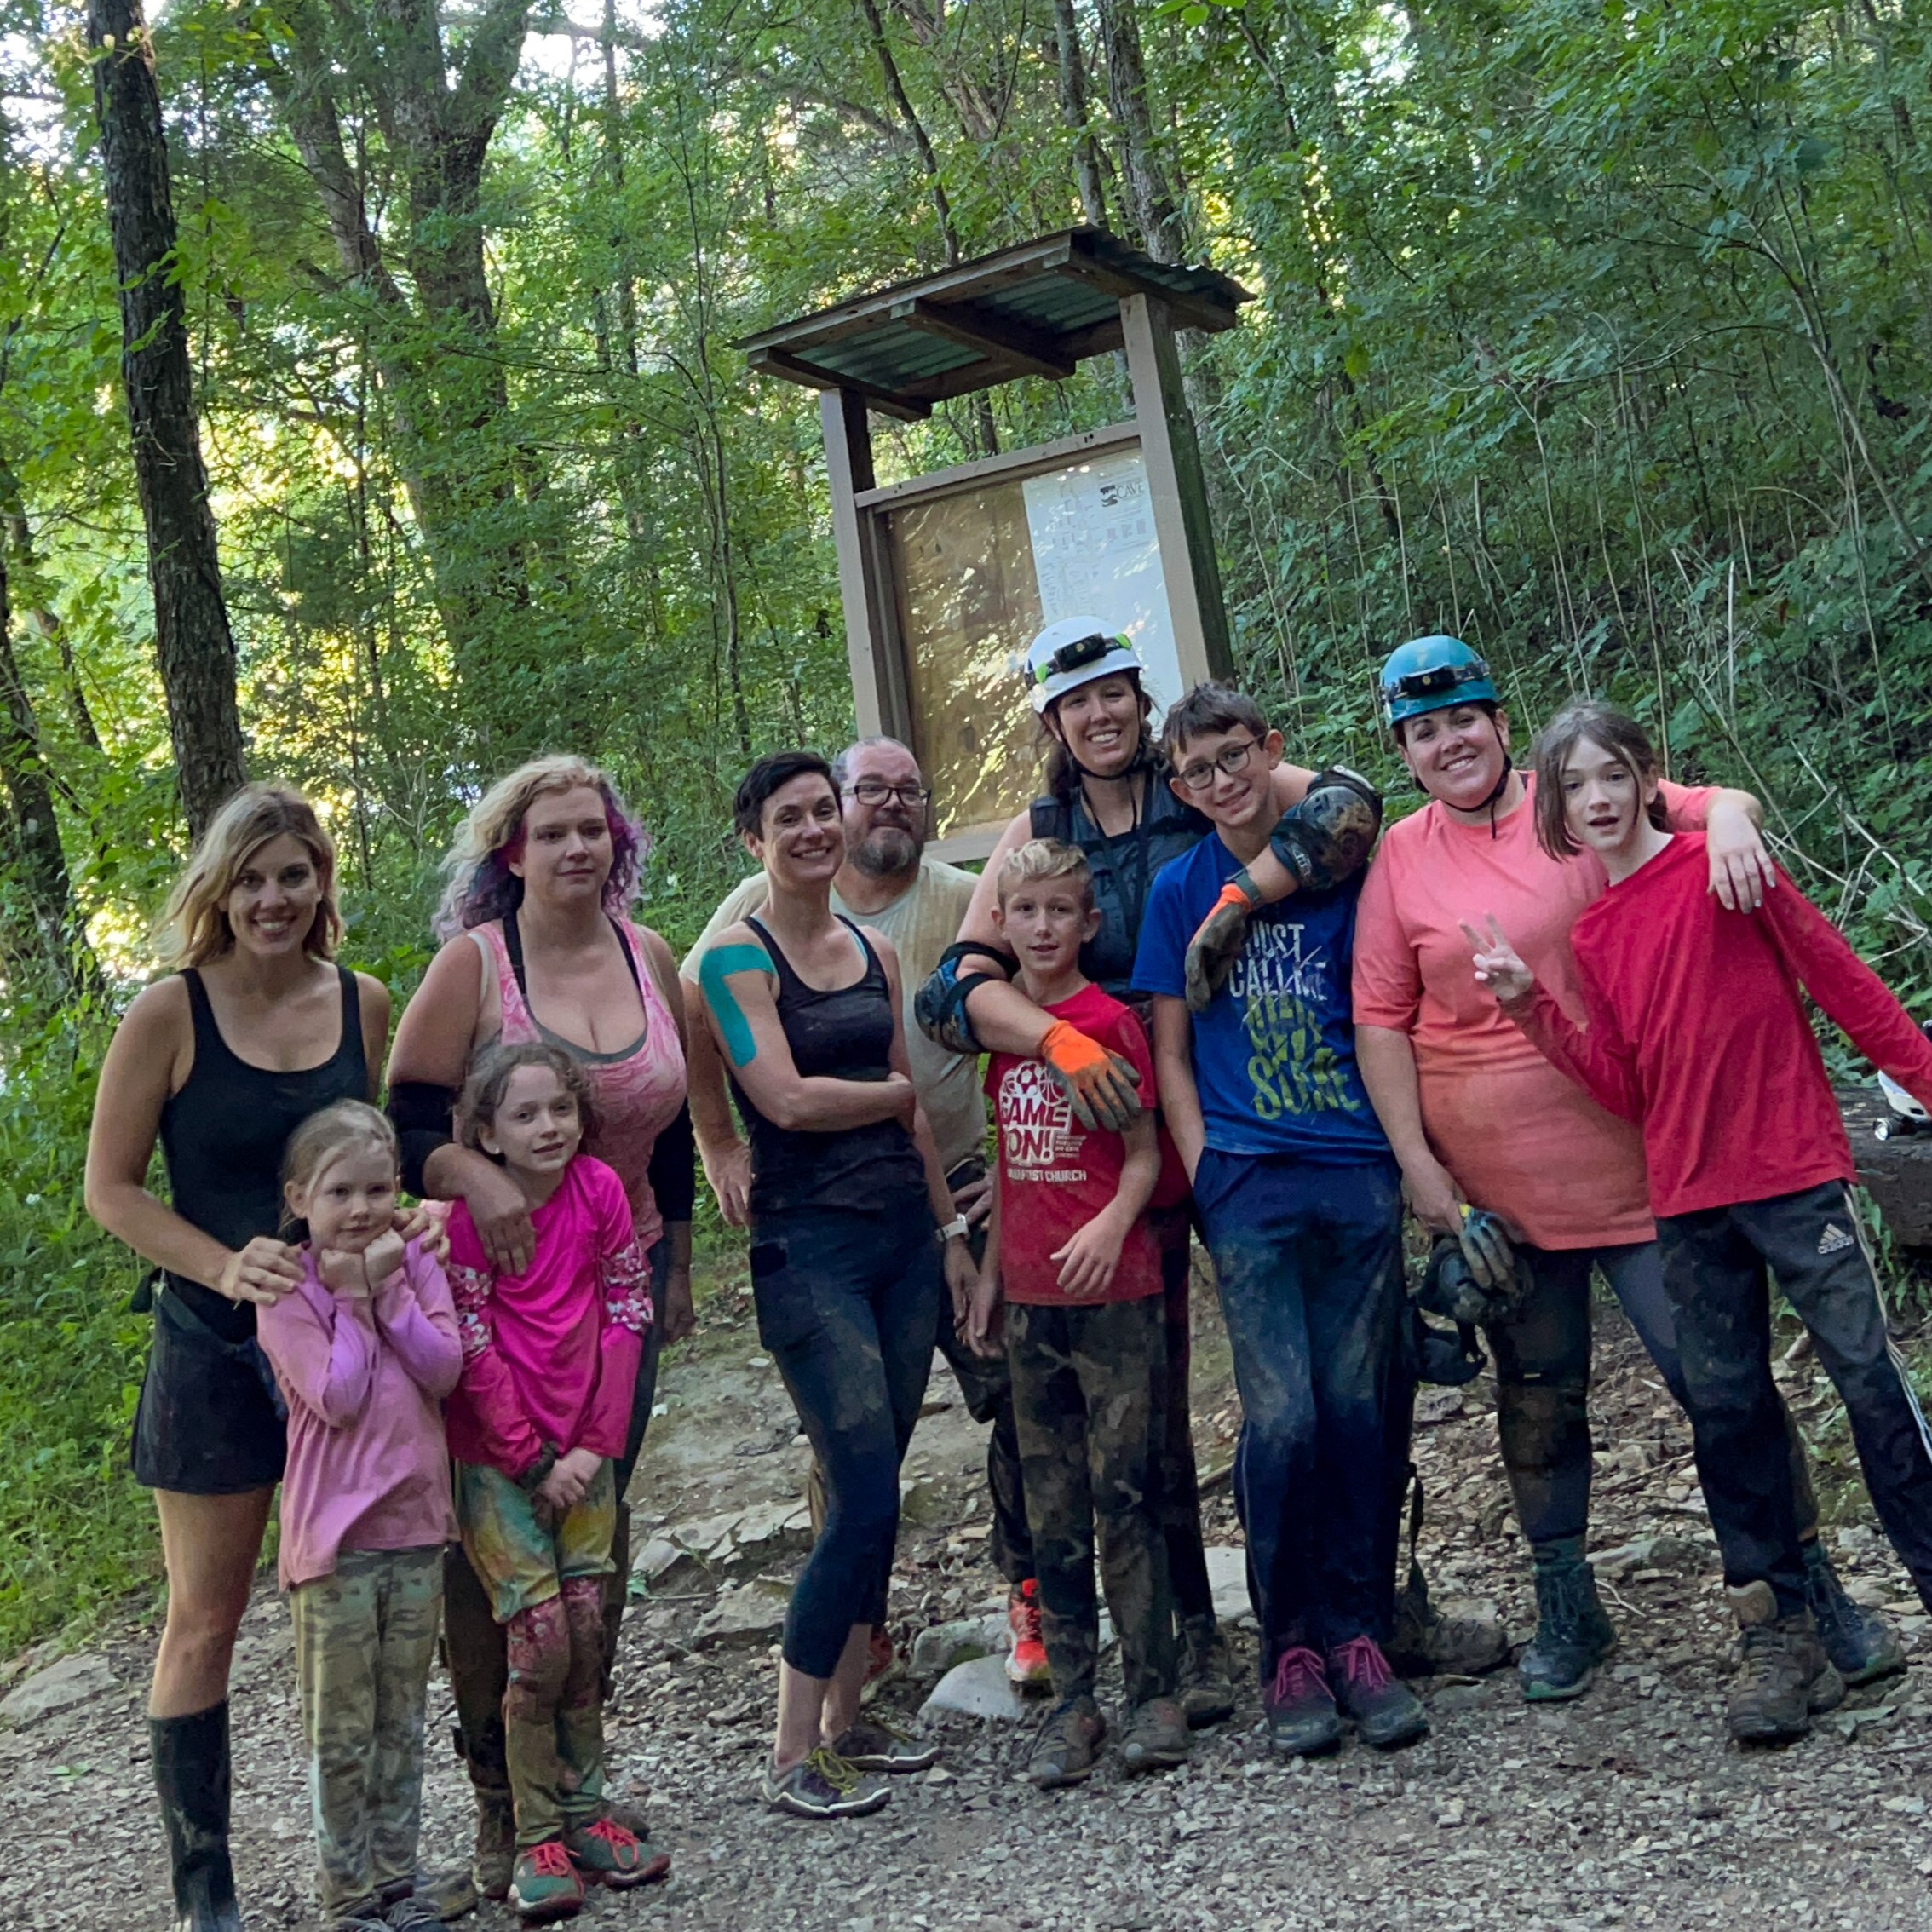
x=544, y=1575
x=1085, y=1396
x=365, y=1639
x=1543, y=1382
x=1310, y=1271
x=1180, y=1493
x=472, y=1640
x=1715, y=1269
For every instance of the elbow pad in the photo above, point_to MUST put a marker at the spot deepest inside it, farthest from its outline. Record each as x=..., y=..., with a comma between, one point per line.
x=423, y=1116
x=674, y=1169
x=1326, y=839
x=939, y=1005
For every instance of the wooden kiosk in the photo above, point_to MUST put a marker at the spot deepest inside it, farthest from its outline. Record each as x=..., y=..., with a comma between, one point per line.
x=945, y=577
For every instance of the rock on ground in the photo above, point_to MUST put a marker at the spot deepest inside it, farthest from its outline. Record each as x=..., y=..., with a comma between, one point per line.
x=1625, y=1809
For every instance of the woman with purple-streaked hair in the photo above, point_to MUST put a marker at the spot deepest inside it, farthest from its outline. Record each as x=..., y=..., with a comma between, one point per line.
x=538, y=946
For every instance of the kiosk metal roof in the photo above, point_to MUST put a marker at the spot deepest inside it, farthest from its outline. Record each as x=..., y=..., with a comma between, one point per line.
x=1034, y=310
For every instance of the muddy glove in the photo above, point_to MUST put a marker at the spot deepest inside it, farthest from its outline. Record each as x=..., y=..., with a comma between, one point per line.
x=1452, y=1286
x=1100, y=1084
x=1328, y=837
x=1217, y=941
x=1487, y=1249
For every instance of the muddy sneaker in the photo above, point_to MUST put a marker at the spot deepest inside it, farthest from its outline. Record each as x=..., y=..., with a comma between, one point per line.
x=823, y=1785
x=1067, y=1746
x=1158, y=1738
x=1386, y=1713
x=544, y=1885
x=1860, y=1642
x=1784, y=1675
x=1574, y=1633
x=1206, y=1686
x=869, y=1745
x=364, y=1916
x=1429, y=1642
x=1302, y=1721
x=1027, y=1662
x=405, y=1908
x=451, y=1893
x=604, y=1854
x=657, y=1862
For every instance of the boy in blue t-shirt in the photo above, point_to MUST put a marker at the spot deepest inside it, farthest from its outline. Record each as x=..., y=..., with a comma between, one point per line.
x=1302, y=1205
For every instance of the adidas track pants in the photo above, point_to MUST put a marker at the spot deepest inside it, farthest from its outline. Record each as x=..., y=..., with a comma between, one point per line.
x=1715, y=1264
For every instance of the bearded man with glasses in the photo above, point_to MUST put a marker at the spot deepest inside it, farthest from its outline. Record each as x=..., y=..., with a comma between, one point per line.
x=888, y=883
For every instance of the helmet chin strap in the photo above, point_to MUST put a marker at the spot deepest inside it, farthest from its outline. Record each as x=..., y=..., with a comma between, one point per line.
x=1496, y=790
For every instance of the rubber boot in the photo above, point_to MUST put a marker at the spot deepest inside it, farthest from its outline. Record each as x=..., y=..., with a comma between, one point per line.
x=192, y=1780
x=1860, y=1643
x=1573, y=1634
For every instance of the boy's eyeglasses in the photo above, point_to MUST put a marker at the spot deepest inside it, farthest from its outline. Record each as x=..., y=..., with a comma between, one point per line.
x=875, y=791
x=1230, y=759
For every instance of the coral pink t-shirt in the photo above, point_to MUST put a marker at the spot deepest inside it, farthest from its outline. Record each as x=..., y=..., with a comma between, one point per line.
x=1519, y=1138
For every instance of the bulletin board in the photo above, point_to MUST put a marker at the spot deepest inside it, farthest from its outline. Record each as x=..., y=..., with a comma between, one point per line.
x=977, y=568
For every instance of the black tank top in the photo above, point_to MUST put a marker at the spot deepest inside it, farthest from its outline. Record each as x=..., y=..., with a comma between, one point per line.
x=843, y=1035
x=222, y=1136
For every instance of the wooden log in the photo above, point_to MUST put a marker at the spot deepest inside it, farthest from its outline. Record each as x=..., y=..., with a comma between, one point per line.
x=1897, y=1173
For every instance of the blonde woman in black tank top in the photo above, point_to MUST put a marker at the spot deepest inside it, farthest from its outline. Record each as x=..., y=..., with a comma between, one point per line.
x=219, y=1061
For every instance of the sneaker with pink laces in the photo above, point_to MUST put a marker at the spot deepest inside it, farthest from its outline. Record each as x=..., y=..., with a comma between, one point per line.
x=1302, y=1721
x=1027, y=1662
x=1386, y=1712
x=544, y=1884
x=605, y=1853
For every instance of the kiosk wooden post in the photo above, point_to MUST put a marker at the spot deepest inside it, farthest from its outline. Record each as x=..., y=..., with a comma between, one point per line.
x=943, y=576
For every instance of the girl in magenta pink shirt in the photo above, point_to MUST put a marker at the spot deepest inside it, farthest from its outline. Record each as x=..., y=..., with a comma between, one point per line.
x=550, y=1366
x=363, y=1349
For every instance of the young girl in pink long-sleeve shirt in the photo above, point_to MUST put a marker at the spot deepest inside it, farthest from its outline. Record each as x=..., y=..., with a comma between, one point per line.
x=549, y=1368
x=364, y=1348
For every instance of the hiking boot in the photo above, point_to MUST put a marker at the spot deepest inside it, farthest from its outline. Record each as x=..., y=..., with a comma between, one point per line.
x=604, y=1854
x=1302, y=1721
x=1027, y=1662
x=823, y=1785
x=364, y=1916
x=869, y=1745
x=1429, y=1643
x=657, y=1862
x=1206, y=1686
x=496, y=1844
x=1386, y=1713
x=1784, y=1675
x=1573, y=1634
x=1860, y=1643
x=1158, y=1738
x=544, y=1885
x=1067, y=1746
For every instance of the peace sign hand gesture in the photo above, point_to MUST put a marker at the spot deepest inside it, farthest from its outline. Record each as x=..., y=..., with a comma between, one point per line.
x=1497, y=964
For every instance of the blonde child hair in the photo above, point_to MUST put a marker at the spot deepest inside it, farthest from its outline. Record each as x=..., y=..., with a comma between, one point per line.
x=1041, y=859
x=321, y=1138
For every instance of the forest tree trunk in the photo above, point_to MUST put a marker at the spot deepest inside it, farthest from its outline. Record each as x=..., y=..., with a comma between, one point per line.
x=1155, y=208
x=1074, y=112
x=191, y=620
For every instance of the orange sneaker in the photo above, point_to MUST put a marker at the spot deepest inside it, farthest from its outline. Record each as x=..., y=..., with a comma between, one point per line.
x=1027, y=1662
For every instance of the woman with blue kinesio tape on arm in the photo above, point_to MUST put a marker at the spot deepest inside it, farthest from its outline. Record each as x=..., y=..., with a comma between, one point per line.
x=848, y=1254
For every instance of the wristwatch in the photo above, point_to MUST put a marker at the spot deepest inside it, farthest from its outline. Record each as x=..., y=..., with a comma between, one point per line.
x=955, y=1227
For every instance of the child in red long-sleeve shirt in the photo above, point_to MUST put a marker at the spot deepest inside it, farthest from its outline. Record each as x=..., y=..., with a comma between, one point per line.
x=549, y=1364
x=1697, y=1030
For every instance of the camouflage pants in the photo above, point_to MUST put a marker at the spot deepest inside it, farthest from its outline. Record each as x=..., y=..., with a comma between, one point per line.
x=1086, y=1385
x=365, y=1639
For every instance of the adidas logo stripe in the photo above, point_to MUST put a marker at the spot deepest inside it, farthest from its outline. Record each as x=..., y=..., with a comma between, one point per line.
x=1833, y=1238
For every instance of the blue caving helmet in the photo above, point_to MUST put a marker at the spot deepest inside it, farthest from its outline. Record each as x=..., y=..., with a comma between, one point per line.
x=1430, y=674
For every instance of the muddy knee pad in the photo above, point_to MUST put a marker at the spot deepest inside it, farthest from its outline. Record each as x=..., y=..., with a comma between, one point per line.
x=537, y=1642
x=1544, y=1425
x=473, y=1650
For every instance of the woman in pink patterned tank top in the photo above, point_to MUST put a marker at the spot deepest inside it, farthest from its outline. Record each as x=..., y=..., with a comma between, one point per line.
x=538, y=946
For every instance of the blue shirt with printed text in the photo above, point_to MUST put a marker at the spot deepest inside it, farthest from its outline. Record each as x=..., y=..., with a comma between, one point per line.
x=1274, y=1055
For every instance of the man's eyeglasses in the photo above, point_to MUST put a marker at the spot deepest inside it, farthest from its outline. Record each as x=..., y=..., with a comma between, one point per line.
x=1231, y=758
x=875, y=791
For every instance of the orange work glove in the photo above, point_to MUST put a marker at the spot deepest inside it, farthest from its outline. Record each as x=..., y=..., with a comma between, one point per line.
x=1217, y=941
x=1100, y=1084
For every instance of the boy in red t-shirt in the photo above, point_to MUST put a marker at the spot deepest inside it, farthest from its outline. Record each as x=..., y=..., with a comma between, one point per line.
x=1698, y=1032
x=1069, y=1250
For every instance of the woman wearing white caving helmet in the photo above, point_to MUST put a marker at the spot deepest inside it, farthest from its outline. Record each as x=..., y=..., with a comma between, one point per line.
x=1477, y=1117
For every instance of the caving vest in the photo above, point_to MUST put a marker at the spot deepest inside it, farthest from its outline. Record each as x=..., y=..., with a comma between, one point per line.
x=1122, y=867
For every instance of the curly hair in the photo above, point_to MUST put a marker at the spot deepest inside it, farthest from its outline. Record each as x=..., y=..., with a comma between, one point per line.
x=481, y=885
x=193, y=927
x=489, y=1078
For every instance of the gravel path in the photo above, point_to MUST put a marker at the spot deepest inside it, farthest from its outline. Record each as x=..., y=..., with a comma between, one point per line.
x=1624, y=1809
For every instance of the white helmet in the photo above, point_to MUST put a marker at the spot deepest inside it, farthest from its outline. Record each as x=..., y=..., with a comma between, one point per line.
x=1074, y=651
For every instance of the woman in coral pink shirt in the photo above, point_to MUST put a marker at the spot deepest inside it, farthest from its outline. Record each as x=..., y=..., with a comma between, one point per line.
x=1477, y=1116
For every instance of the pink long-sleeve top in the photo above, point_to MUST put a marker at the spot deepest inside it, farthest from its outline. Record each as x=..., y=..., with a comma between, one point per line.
x=550, y=1356
x=367, y=1467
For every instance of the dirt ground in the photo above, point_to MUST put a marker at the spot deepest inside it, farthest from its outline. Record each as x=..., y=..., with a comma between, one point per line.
x=1626, y=1809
